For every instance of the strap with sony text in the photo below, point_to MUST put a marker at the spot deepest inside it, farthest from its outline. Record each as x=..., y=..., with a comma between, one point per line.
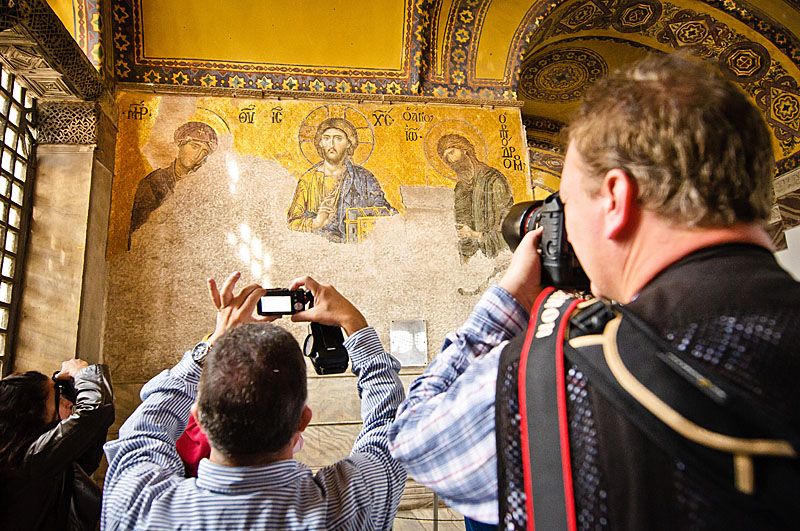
x=545, y=435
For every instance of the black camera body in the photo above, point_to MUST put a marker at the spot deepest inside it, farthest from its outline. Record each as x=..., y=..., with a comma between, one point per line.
x=66, y=388
x=560, y=266
x=324, y=346
x=281, y=301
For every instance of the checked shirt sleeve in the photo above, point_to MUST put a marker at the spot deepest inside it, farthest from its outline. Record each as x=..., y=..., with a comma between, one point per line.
x=144, y=462
x=444, y=431
x=364, y=490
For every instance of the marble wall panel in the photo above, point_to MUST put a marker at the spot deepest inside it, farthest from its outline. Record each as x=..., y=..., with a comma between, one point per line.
x=54, y=267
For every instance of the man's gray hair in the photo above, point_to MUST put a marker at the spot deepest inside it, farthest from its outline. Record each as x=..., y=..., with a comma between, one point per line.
x=699, y=151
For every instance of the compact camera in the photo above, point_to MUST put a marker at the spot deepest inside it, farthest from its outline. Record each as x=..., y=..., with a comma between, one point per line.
x=560, y=266
x=281, y=301
x=324, y=346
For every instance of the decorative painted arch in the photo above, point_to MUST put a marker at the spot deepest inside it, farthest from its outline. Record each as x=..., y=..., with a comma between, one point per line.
x=754, y=51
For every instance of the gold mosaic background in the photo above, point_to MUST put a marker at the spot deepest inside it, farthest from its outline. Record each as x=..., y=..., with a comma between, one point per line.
x=230, y=214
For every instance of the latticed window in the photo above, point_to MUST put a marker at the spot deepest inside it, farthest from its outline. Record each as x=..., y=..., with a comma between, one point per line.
x=17, y=138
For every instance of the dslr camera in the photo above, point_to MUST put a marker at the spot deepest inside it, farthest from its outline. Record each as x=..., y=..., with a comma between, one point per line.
x=66, y=388
x=560, y=266
x=324, y=346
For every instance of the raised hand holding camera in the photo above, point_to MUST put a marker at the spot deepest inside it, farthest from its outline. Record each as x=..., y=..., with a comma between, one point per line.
x=330, y=307
x=280, y=301
x=560, y=266
x=233, y=310
x=325, y=344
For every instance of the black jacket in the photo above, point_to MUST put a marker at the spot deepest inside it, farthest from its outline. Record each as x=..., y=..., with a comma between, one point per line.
x=730, y=310
x=50, y=488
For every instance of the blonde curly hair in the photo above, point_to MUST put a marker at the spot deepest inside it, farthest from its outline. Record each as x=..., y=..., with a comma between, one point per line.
x=698, y=149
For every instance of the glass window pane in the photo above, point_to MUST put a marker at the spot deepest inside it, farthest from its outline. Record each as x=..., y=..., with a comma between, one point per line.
x=5, y=292
x=10, y=138
x=4, y=185
x=17, y=94
x=8, y=266
x=7, y=158
x=11, y=241
x=14, y=114
x=6, y=80
x=14, y=217
x=4, y=318
x=19, y=170
x=16, y=193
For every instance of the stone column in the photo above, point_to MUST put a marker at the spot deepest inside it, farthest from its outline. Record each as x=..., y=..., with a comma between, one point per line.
x=63, y=302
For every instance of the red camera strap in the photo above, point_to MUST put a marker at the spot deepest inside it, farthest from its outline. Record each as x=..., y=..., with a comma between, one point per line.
x=547, y=468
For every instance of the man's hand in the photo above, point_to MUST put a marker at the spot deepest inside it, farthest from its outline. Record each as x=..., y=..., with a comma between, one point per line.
x=324, y=211
x=70, y=368
x=330, y=307
x=523, y=278
x=233, y=310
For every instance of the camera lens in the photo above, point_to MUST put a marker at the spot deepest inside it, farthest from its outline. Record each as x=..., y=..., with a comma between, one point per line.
x=520, y=220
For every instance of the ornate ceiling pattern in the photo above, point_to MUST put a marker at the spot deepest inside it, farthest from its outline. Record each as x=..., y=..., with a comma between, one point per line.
x=31, y=32
x=465, y=21
x=82, y=19
x=663, y=26
x=555, y=75
x=132, y=65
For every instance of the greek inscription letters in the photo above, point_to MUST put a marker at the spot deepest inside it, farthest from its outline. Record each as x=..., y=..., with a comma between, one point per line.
x=416, y=116
x=137, y=111
x=382, y=117
x=511, y=159
x=247, y=115
x=276, y=115
x=412, y=134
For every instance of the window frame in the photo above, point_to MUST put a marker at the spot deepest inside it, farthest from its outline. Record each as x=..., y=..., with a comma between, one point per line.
x=16, y=196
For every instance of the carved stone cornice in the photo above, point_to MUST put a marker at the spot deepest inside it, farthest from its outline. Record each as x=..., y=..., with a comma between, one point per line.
x=38, y=49
x=67, y=122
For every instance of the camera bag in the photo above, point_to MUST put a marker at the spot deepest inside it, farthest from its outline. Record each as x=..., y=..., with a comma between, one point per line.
x=711, y=428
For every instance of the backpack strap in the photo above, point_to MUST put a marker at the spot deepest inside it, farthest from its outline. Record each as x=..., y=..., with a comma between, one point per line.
x=673, y=403
x=546, y=464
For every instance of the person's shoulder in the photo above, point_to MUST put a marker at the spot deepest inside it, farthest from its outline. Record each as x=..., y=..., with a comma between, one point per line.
x=358, y=170
x=158, y=177
x=311, y=173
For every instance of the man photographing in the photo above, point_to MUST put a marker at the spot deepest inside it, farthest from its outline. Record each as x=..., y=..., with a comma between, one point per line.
x=666, y=190
x=246, y=386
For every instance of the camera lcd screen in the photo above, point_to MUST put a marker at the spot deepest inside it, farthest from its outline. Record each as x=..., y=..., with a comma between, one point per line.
x=276, y=304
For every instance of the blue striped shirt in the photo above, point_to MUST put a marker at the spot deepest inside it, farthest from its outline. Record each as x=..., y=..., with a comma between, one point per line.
x=145, y=487
x=444, y=432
